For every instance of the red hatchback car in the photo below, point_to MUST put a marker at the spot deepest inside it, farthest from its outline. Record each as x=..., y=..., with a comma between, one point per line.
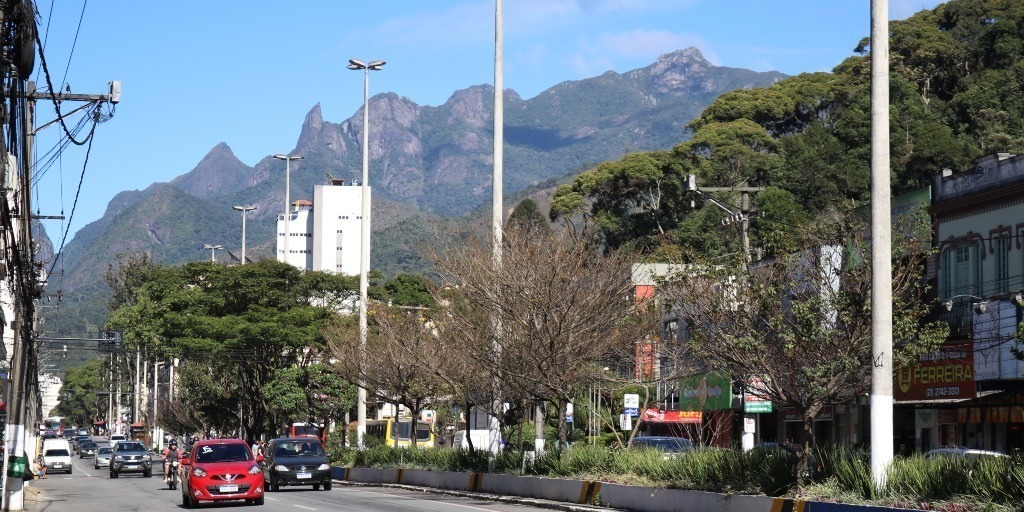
x=220, y=470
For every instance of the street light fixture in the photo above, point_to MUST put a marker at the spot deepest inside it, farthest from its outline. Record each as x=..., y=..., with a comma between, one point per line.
x=287, y=197
x=364, y=251
x=245, y=210
x=981, y=307
x=213, y=251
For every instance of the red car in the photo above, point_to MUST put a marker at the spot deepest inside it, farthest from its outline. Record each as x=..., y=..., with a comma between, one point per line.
x=220, y=470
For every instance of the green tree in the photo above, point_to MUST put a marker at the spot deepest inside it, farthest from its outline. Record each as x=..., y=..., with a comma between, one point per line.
x=634, y=201
x=312, y=393
x=527, y=214
x=239, y=324
x=80, y=400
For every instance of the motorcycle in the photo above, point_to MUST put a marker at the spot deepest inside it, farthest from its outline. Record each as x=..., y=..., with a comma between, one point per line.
x=172, y=478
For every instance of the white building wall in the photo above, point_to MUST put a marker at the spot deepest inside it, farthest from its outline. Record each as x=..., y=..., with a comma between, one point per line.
x=337, y=220
x=327, y=236
x=300, y=242
x=50, y=389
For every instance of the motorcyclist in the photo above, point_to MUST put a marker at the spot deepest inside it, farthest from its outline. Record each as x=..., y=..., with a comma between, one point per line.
x=170, y=454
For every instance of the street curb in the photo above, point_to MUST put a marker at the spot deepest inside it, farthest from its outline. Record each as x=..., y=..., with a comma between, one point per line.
x=514, y=500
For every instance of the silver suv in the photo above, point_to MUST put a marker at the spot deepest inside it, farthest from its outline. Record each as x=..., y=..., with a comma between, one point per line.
x=130, y=457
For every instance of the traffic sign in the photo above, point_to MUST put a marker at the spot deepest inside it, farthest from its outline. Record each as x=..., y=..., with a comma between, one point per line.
x=631, y=404
x=757, y=407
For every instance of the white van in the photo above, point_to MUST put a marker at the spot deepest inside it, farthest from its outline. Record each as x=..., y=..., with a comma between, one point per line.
x=57, y=455
x=481, y=439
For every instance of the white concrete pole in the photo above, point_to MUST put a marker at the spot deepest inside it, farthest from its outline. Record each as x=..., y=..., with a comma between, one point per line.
x=156, y=380
x=497, y=217
x=881, y=249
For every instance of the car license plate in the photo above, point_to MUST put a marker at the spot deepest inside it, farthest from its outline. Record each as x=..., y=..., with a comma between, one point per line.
x=58, y=465
x=132, y=466
x=229, y=488
x=303, y=475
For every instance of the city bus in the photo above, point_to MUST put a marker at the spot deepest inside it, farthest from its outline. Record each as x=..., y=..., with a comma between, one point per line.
x=53, y=424
x=300, y=429
x=397, y=434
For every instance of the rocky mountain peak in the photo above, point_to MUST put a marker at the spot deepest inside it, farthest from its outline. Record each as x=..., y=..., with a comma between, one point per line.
x=220, y=171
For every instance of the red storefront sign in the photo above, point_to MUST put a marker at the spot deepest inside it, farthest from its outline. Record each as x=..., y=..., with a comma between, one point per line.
x=655, y=414
x=947, y=374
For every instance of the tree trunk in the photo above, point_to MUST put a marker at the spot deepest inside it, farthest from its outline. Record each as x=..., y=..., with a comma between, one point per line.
x=469, y=426
x=803, y=461
x=412, y=432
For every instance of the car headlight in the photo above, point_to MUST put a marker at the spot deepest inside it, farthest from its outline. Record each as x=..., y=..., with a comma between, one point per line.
x=281, y=468
x=323, y=467
x=118, y=457
x=198, y=472
x=255, y=470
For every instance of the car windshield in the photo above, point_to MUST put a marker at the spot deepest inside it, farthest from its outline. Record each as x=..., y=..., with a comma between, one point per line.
x=60, y=452
x=664, y=444
x=233, y=452
x=130, y=447
x=105, y=449
x=297, y=448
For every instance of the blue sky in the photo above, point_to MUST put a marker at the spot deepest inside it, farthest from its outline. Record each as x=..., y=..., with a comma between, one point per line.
x=196, y=73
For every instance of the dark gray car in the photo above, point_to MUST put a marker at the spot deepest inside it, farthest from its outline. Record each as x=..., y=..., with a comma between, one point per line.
x=296, y=461
x=130, y=457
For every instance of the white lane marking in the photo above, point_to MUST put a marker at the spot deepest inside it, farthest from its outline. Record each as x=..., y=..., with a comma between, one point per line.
x=433, y=501
x=269, y=498
x=307, y=508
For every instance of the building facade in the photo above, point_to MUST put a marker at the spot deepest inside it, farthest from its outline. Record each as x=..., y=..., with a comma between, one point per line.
x=324, y=234
x=970, y=393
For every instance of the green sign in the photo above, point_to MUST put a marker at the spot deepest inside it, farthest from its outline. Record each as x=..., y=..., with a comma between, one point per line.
x=705, y=392
x=757, y=407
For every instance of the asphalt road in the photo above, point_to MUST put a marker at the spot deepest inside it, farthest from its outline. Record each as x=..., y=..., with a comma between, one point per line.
x=90, y=489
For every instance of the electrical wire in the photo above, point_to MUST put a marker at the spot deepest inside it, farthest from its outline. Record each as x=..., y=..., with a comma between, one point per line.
x=46, y=36
x=53, y=99
x=74, y=205
x=73, y=44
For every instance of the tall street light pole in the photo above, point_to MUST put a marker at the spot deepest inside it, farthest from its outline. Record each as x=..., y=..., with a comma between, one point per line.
x=881, y=248
x=364, y=244
x=287, y=198
x=213, y=251
x=245, y=211
x=497, y=215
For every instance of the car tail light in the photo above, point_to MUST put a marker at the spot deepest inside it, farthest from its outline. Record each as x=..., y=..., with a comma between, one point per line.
x=198, y=472
x=255, y=470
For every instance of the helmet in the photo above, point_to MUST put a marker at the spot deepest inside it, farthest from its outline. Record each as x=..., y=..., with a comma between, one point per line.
x=174, y=443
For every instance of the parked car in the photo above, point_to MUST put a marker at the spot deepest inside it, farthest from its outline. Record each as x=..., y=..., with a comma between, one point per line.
x=221, y=470
x=130, y=457
x=86, y=449
x=296, y=461
x=964, y=453
x=670, y=446
x=103, y=456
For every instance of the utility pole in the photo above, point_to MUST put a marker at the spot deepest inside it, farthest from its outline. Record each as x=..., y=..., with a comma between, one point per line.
x=743, y=216
x=19, y=438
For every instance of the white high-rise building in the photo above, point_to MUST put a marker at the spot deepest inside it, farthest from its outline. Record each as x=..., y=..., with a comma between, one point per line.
x=324, y=234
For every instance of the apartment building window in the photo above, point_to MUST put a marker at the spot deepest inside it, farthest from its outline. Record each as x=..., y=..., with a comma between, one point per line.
x=961, y=276
x=1002, y=264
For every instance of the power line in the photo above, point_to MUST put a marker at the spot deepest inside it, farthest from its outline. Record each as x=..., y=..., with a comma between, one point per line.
x=73, y=44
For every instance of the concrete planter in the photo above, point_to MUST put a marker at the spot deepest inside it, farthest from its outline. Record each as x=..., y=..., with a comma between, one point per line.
x=626, y=497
